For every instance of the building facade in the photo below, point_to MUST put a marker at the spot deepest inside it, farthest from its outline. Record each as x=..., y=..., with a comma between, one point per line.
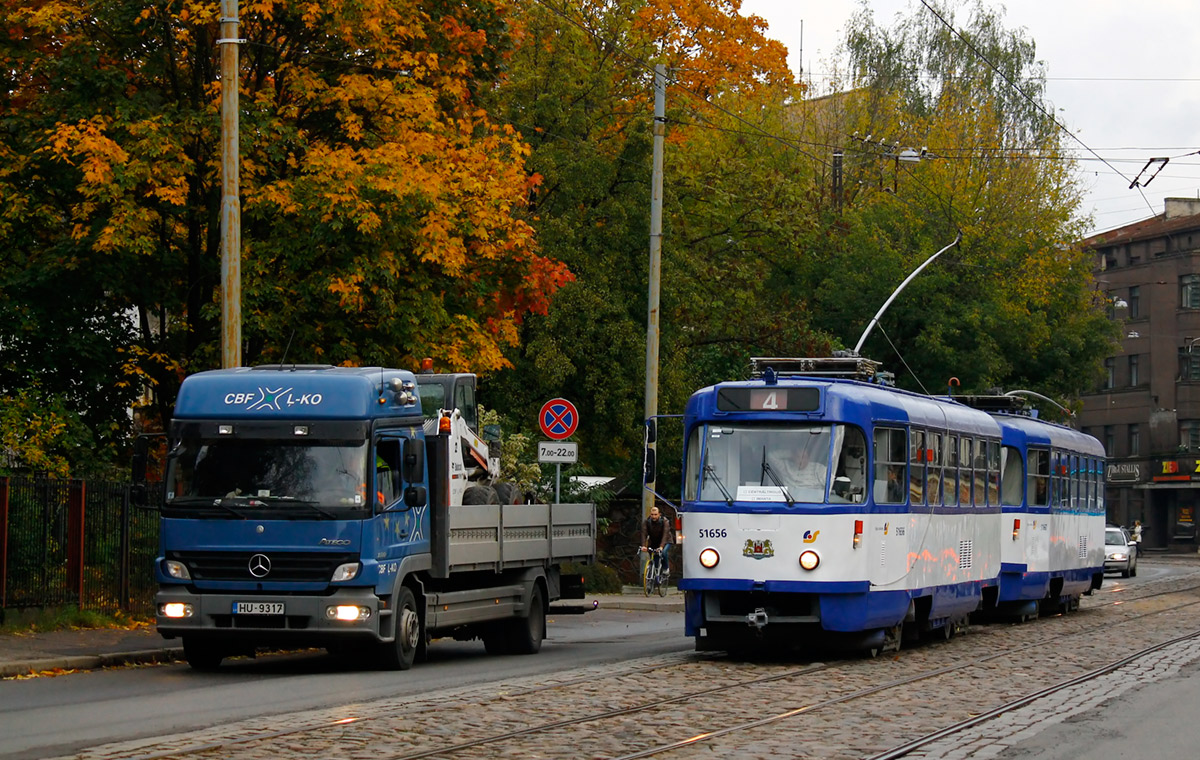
x=1146, y=411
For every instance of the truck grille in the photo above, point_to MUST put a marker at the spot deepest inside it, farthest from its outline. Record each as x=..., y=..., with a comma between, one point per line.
x=307, y=567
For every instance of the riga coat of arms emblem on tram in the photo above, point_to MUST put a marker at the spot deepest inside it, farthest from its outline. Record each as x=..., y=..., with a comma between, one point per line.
x=758, y=549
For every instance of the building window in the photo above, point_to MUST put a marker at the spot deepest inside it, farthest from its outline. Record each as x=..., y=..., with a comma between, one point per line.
x=1189, y=291
x=1135, y=440
x=1134, y=378
x=1189, y=434
x=1110, y=440
x=1135, y=298
x=1189, y=365
x=1110, y=374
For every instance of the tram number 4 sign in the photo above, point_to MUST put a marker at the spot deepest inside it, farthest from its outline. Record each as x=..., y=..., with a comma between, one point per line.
x=555, y=452
x=558, y=419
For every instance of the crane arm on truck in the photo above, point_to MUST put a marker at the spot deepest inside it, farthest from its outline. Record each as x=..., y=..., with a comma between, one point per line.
x=473, y=446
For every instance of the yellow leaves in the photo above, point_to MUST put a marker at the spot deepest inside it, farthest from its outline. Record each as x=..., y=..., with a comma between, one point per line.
x=349, y=291
x=87, y=146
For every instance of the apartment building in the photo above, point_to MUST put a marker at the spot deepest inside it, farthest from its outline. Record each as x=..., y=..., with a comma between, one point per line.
x=1147, y=408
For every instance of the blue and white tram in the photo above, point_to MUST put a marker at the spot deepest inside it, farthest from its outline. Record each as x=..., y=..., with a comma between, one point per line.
x=1052, y=500
x=823, y=508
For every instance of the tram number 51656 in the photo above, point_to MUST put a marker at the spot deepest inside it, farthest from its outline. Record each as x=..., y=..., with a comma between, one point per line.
x=712, y=533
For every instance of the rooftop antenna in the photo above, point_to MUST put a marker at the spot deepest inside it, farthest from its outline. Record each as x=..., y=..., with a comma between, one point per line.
x=288, y=347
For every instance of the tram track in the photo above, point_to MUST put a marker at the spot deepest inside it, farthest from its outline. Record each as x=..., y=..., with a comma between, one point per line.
x=646, y=709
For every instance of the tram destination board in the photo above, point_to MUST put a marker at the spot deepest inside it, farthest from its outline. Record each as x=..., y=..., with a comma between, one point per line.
x=768, y=399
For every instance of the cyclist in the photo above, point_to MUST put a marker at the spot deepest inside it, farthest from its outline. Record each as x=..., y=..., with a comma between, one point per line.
x=657, y=533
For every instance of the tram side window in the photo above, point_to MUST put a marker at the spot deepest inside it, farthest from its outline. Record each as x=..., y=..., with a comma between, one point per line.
x=1090, y=483
x=1039, y=478
x=849, y=465
x=1012, y=478
x=692, y=471
x=981, y=473
x=916, y=468
x=1058, y=486
x=891, y=450
x=950, y=479
x=964, y=471
x=934, y=482
x=993, y=470
x=1074, y=486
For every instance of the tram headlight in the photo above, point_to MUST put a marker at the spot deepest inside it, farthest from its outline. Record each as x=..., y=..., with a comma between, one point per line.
x=709, y=558
x=809, y=560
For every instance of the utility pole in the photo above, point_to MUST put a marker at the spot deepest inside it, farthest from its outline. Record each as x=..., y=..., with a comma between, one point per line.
x=231, y=211
x=656, y=198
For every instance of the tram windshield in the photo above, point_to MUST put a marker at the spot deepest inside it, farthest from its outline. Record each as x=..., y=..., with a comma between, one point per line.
x=778, y=463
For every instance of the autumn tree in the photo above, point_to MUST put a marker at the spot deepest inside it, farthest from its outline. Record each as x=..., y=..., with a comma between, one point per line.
x=381, y=204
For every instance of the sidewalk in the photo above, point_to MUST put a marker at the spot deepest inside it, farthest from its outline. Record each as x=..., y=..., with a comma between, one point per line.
x=21, y=654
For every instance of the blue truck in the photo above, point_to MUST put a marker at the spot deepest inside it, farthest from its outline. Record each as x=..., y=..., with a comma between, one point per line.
x=320, y=506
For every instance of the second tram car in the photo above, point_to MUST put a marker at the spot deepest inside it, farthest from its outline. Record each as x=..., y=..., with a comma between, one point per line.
x=822, y=505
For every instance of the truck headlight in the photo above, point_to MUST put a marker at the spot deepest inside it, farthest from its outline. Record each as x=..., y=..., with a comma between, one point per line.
x=346, y=572
x=175, y=610
x=177, y=570
x=348, y=612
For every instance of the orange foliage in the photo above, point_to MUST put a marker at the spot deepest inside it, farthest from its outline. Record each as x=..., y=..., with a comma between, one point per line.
x=711, y=47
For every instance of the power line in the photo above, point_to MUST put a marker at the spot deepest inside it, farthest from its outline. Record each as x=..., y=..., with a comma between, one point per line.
x=1054, y=120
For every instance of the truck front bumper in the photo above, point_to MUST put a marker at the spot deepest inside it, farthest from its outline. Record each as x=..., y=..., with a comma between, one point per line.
x=285, y=618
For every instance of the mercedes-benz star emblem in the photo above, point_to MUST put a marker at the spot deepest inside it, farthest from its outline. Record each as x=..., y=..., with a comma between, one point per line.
x=260, y=565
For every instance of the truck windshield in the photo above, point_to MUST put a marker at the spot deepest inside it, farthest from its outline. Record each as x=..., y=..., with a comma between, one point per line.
x=268, y=478
x=779, y=463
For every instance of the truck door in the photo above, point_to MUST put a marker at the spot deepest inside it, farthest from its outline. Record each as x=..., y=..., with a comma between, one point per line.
x=399, y=529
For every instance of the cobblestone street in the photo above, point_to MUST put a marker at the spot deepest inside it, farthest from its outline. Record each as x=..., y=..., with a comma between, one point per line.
x=844, y=707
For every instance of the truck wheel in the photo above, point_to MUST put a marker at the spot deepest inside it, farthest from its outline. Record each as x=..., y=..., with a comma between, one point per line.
x=400, y=654
x=507, y=493
x=201, y=653
x=528, y=632
x=480, y=495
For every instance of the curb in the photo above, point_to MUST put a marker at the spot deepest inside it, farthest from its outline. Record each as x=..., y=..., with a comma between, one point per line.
x=89, y=661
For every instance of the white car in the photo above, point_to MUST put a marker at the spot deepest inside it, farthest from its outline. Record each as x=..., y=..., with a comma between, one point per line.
x=1120, y=553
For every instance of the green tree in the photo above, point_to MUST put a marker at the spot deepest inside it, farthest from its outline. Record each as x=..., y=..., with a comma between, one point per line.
x=1011, y=304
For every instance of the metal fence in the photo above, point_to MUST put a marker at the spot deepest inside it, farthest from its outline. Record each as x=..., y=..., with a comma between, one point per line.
x=75, y=542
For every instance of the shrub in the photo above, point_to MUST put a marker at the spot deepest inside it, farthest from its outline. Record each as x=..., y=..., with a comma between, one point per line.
x=597, y=579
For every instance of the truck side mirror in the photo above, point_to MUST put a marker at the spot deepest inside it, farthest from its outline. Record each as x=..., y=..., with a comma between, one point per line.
x=414, y=460
x=650, y=470
x=415, y=496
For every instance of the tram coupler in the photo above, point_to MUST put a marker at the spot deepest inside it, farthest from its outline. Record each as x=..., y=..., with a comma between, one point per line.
x=757, y=619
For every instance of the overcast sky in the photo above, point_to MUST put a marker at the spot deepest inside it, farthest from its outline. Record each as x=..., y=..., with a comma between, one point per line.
x=1124, y=77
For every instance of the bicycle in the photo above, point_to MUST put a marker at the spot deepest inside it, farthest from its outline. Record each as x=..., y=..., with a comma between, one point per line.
x=654, y=573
